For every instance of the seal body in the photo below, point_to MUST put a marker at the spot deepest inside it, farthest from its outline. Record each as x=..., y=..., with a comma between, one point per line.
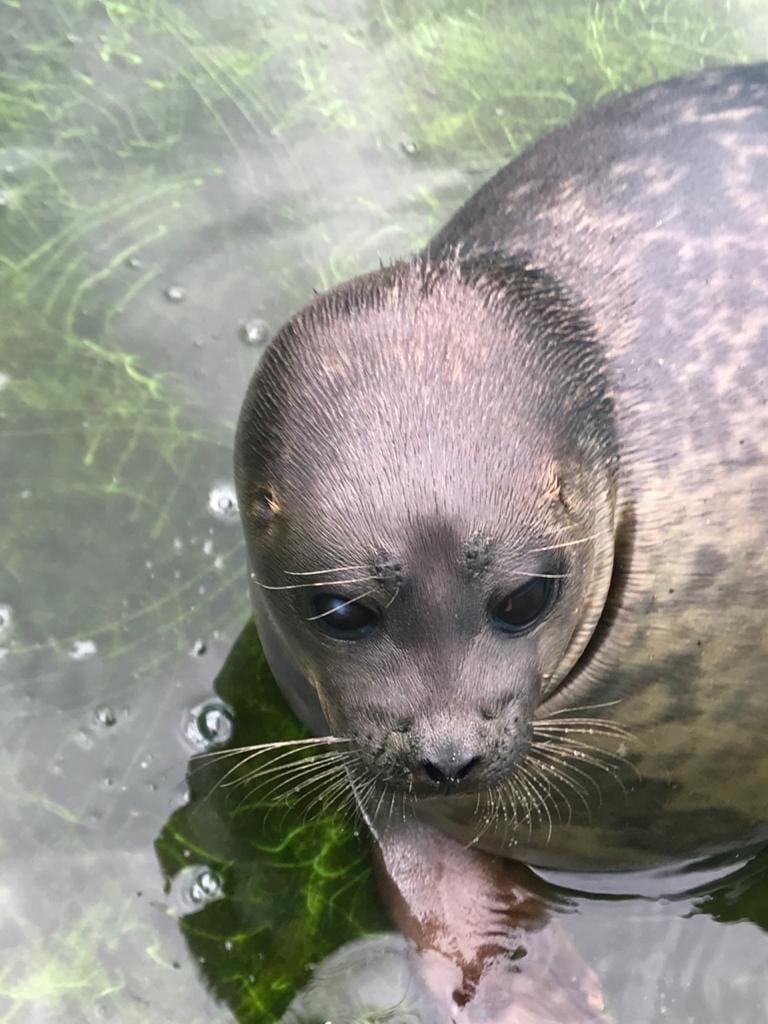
x=570, y=385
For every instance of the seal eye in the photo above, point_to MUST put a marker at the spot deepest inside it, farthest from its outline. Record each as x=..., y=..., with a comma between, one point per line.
x=521, y=608
x=341, y=617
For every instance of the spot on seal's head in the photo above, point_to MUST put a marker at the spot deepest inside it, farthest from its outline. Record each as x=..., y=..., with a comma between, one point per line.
x=426, y=467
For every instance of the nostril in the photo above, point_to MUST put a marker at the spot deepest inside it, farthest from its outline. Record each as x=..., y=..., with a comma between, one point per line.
x=434, y=772
x=451, y=772
x=465, y=769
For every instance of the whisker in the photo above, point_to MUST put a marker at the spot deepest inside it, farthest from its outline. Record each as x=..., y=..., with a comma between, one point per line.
x=257, y=747
x=530, y=802
x=338, y=607
x=255, y=751
x=579, y=746
x=329, y=793
x=564, y=724
x=541, y=575
x=568, y=769
x=582, y=727
x=315, y=583
x=541, y=802
x=277, y=757
x=591, y=756
x=562, y=769
x=403, y=798
x=382, y=794
x=569, y=543
x=585, y=707
x=289, y=787
x=488, y=816
x=359, y=797
x=519, y=799
x=273, y=790
x=271, y=769
x=538, y=772
x=548, y=771
x=391, y=807
x=320, y=572
x=508, y=809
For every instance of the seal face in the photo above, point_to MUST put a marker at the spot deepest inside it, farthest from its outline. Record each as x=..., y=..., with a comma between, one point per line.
x=504, y=503
x=458, y=558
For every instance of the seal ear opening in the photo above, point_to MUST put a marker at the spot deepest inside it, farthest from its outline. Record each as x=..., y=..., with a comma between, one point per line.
x=263, y=507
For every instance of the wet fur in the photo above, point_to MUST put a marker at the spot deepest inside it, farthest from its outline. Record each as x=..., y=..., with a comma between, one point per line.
x=578, y=364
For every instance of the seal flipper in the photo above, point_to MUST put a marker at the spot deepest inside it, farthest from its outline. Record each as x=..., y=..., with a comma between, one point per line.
x=488, y=948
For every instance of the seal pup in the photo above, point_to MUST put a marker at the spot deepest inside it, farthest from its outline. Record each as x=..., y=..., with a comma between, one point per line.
x=504, y=506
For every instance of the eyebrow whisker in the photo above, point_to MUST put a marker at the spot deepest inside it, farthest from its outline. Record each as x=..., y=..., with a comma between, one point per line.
x=320, y=583
x=541, y=575
x=320, y=572
x=568, y=543
x=338, y=607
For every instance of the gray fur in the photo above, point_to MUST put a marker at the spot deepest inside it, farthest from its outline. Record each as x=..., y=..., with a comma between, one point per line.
x=581, y=353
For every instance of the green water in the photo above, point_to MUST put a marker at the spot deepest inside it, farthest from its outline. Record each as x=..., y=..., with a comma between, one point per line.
x=171, y=173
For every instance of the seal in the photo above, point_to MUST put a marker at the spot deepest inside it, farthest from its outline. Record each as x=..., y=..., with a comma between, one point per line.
x=504, y=506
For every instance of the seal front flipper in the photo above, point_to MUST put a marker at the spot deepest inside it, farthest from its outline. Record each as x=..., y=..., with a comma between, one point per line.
x=488, y=948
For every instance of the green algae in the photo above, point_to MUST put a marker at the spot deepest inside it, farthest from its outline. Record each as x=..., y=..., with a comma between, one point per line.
x=249, y=150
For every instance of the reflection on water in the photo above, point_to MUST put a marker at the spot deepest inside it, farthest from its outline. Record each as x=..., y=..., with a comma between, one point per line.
x=174, y=180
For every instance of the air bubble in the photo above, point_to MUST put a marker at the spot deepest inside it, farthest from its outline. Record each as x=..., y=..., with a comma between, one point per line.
x=105, y=716
x=208, y=724
x=84, y=739
x=199, y=647
x=175, y=293
x=222, y=502
x=6, y=620
x=82, y=649
x=255, y=332
x=194, y=887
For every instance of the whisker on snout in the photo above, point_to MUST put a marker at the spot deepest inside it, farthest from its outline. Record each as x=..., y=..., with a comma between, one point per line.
x=561, y=766
x=267, y=759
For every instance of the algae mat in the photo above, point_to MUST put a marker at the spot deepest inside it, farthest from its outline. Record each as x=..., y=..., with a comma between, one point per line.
x=175, y=178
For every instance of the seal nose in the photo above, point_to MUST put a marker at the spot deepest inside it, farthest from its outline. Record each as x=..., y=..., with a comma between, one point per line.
x=447, y=769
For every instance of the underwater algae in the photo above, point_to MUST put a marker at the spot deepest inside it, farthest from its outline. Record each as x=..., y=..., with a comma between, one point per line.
x=244, y=152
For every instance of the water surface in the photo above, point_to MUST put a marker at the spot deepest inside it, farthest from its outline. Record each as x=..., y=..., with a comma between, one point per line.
x=175, y=179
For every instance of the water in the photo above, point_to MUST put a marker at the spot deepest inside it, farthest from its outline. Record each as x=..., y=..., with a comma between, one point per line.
x=170, y=174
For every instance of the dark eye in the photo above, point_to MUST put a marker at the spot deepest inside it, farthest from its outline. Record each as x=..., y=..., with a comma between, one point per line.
x=341, y=617
x=521, y=608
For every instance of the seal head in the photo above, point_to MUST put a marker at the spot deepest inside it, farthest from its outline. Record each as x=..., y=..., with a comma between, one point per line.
x=426, y=467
